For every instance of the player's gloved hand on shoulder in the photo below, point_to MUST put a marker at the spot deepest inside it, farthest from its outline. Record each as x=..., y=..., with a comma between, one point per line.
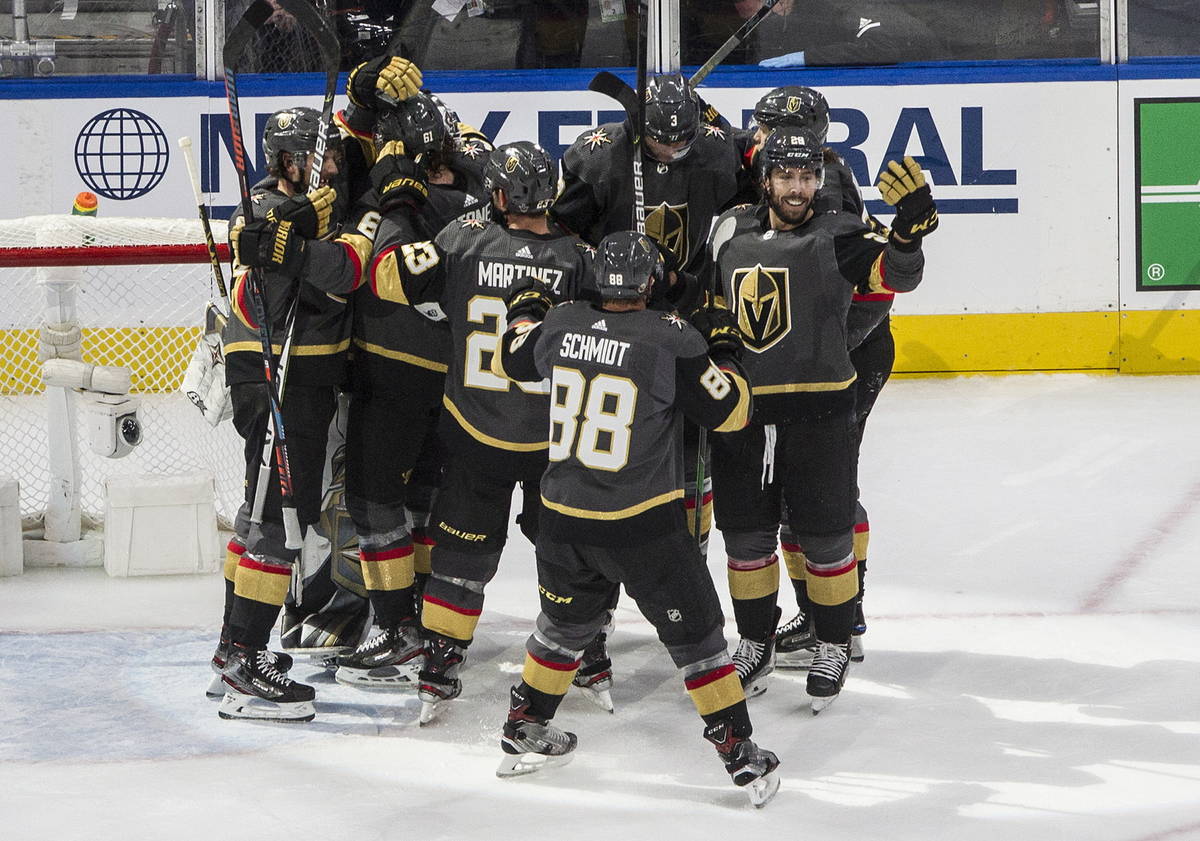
x=530, y=300
x=268, y=244
x=383, y=82
x=903, y=185
x=398, y=179
x=719, y=328
x=312, y=214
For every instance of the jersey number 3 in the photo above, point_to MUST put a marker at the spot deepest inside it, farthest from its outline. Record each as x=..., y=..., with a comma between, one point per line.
x=592, y=418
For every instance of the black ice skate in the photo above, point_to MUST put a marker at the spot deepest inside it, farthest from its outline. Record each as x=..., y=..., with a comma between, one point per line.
x=827, y=674
x=748, y=765
x=754, y=660
x=595, y=673
x=256, y=689
x=216, y=687
x=531, y=743
x=438, y=679
x=795, y=643
x=389, y=660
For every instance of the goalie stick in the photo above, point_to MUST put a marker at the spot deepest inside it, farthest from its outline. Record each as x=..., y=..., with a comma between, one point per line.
x=185, y=143
x=235, y=45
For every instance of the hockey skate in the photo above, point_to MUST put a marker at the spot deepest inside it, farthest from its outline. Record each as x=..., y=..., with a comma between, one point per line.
x=255, y=689
x=795, y=643
x=325, y=635
x=438, y=679
x=827, y=674
x=755, y=660
x=216, y=687
x=595, y=673
x=749, y=766
x=531, y=743
x=389, y=660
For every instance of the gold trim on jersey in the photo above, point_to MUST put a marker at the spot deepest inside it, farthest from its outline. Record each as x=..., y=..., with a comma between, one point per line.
x=297, y=350
x=764, y=313
x=739, y=416
x=875, y=279
x=621, y=514
x=484, y=438
x=361, y=244
x=400, y=356
x=385, y=279
x=789, y=388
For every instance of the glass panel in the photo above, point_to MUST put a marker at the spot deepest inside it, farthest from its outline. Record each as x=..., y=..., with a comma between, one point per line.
x=1164, y=28
x=97, y=37
x=865, y=32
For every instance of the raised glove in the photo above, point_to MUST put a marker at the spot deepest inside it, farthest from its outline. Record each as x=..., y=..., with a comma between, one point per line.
x=903, y=185
x=311, y=214
x=383, y=82
x=528, y=301
x=719, y=328
x=271, y=245
x=397, y=179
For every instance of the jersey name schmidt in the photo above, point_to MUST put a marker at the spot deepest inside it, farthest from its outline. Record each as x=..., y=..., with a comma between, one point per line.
x=593, y=349
x=502, y=274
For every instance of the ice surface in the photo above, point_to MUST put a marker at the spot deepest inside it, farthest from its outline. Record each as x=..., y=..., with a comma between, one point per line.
x=1032, y=671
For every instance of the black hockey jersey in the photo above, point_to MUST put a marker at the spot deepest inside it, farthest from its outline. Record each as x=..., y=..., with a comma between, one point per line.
x=681, y=197
x=791, y=293
x=621, y=383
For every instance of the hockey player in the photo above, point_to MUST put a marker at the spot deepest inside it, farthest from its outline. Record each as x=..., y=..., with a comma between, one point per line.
x=801, y=452
x=301, y=274
x=622, y=377
x=495, y=430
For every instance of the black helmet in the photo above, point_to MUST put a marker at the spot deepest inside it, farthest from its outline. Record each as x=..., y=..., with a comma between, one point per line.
x=672, y=109
x=417, y=123
x=295, y=130
x=525, y=173
x=627, y=263
x=449, y=117
x=791, y=147
x=794, y=105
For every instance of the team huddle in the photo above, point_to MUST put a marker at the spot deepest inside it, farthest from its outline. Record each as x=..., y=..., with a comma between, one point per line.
x=486, y=325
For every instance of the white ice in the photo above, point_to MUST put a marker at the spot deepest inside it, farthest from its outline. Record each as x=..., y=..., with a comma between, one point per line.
x=1032, y=671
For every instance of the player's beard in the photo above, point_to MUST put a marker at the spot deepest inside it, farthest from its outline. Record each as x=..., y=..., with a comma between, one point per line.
x=789, y=214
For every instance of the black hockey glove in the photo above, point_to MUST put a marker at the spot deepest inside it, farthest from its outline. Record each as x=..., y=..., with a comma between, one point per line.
x=383, y=82
x=275, y=246
x=529, y=300
x=398, y=180
x=719, y=328
x=312, y=215
x=903, y=185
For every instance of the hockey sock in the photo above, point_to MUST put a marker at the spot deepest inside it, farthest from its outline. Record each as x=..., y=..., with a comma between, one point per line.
x=754, y=588
x=233, y=555
x=548, y=681
x=260, y=587
x=542, y=705
x=389, y=578
x=689, y=503
x=793, y=556
x=833, y=590
x=735, y=714
x=862, y=537
x=422, y=551
x=716, y=690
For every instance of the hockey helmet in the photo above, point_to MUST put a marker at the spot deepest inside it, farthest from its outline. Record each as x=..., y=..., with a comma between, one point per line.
x=295, y=130
x=417, y=123
x=627, y=264
x=526, y=174
x=449, y=117
x=672, y=110
x=794, y=105
x=789, y=147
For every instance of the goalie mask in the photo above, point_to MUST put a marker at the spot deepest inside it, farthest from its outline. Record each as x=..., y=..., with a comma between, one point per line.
x=672, y=112
x=295, y=130
x=796, y=106
x=525, y=173
x=627, y=265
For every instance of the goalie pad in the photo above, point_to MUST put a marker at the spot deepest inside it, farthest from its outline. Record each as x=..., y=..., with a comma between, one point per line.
x=204, y=380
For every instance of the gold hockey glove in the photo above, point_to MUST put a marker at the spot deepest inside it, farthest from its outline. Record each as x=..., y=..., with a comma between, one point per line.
x=312, y=215
x=903, y=185
x=383, y=82
x=397, y=179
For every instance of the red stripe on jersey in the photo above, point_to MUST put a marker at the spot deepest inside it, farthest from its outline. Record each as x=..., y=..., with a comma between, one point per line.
x=708, y=677
x=353, y=255
x=242, y=302
x=875, y=296
x=259, y=566
x=828, y=572
x=790, y=547
x=690, y=502
x=859, y=528
x=462, y=611
x=550, y=664
x=386, y=554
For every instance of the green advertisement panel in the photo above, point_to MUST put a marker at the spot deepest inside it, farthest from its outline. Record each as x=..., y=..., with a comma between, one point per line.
x=1167, y=133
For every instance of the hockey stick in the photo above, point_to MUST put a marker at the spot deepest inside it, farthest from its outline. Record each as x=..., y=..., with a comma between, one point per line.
x=185, y=143
x=734, y=40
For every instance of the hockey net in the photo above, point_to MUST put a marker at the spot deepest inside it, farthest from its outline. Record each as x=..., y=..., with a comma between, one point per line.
x=142, y=288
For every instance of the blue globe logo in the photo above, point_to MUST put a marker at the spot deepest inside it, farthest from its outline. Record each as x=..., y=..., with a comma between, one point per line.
x=121, y=154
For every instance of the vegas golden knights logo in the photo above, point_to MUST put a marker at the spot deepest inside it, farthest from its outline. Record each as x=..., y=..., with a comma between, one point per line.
x=793, y=104
x=761, y=300
x=668, y=225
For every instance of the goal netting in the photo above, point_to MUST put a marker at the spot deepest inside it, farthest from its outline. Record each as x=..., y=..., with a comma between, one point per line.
x=140, y=290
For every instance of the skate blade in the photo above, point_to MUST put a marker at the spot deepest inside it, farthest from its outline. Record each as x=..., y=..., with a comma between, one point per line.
x=247, y=707
x=383, y=679
x=856, y=649
x=761, y=791
x=822, y=703
x=429, y=711
x=520, y=764
x=318, y=652
x=216, y=688
x=602, y=698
